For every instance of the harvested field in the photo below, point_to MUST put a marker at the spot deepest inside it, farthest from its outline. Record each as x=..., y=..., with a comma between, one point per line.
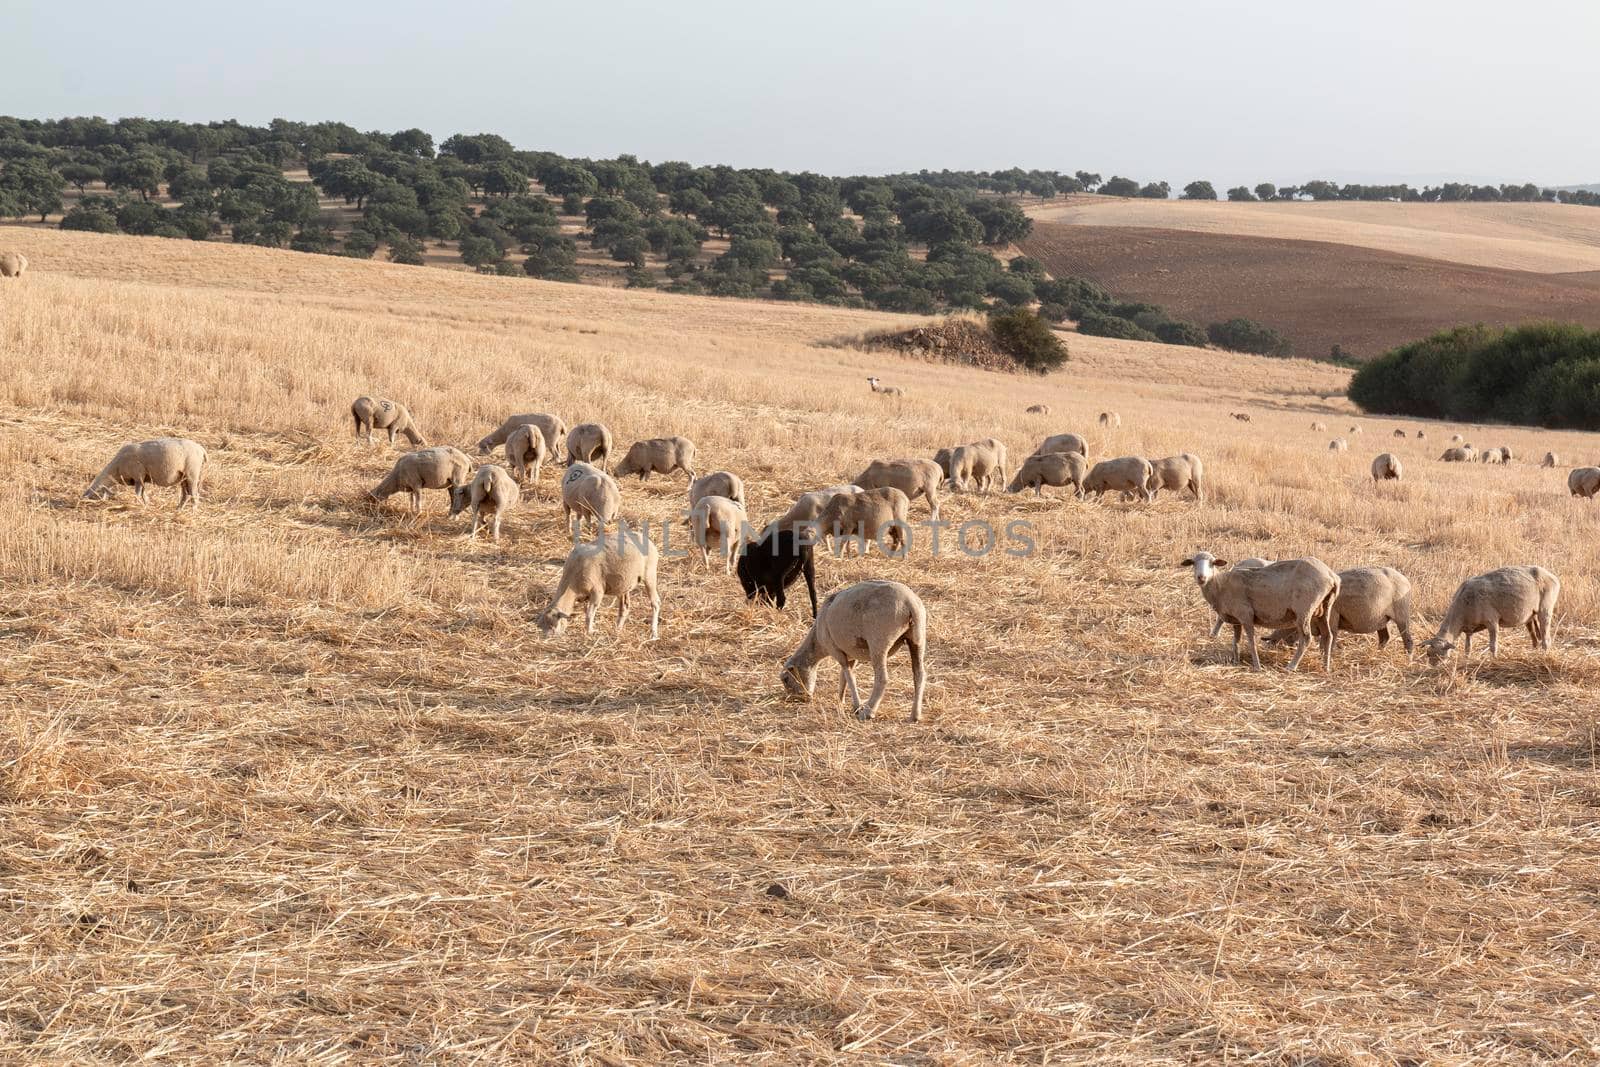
x=1317, y=294
x=294, y=779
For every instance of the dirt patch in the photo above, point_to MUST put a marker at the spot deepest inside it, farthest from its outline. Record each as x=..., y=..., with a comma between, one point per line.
x=1317, y=294
x=954, y=340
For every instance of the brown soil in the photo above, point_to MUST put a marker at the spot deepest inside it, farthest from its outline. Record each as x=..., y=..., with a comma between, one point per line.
x=1317, y=294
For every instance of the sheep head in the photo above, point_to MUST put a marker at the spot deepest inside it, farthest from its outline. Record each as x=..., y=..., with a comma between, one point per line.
x=1205, y=565
x=1438, y=650
x=799, y=678
x=552, y=622
x=460, y=498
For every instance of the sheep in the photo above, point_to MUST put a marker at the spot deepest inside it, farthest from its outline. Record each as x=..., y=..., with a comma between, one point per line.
x=1296, y=593
x=1510, y=596
x=551, y=427
x=870, y=515
x=1319, y=427
x=526, y=451
x=1421, y=435
x=658, y=455
x=1063, y=442
x=1456, y=439
x=717, y=483
x=1177, y=473
x=1399, y=433
x=884, y=390
x=589, y=494
x=942, y=458
x=719, y=521
x=1550, y=460
x=1110, y=419
x=376, y=413
x=1584, y=481
x=1252, y=563
x=1038, y=409
x=1491, y=455
x=769, y=566
x=875, y=618
x=1505, y=454
x=1455, y=455
x=1386, y=467
x=440, y=467
x=599, y=569
x=1369, y=599
x=1242, y=416
x=588, y=442
x=491, y=490
x=1057, y=469
x=1355, y=429
x=162, y=461
x=913, y=477
x=807, y=506
x=1338, y=444
x=12, y=264
x=1128, y=475
x=982, y=463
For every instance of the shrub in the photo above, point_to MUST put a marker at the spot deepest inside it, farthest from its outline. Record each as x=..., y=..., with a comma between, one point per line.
x=360, y=244
x=1011, y=289
x=1027, y=266
x=92, y=218
x=405, y=250
x=1099, y=324
x=1028, y=339
x=1240, y=194
x=1072, y=292
x=1199, y=191
x=1246, y=335
x=1053, y=312
x=1178, y=332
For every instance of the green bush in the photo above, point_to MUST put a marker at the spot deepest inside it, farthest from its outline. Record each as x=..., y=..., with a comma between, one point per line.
x=1246, y=335
x=1013, y=289
x=1053, y=312
x=1178, y=332
x=1028, y=339
x=1099, y=324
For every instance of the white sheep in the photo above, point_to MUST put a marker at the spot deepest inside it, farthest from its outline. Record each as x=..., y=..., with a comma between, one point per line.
x=376, y=413
x=1252, y=563
x=1110, y=419
x=1491, y=455
x=526, y=451
x=1510, y=596
x=1057, y=469
x=1063, y=442
x=1355, y=429
x=1296, y=593
x=1399, y=433
x=551, y=427
x=492, y=491
x=717, y=521
x=1038, y=409
x=588, y=442
x=1126, y=475
x=12, y=264
x=873, y=618
x=1386, y=467
x=440, y=467
x=162, y=461
x=1505, y=454
x=1550, y=460
x=1456, y=439
x=658, y=455
x=1177, y=473
x=1420, y=435
x=1369, y=599
x=717, y=483
x=885, y=390
x=871, y=515
x=598, y=569
x=1338, y=444
x=913, y=477
x=980, y=463
x=943, y=458
x=1319, y=427
x=589, y=494
x=808, y=506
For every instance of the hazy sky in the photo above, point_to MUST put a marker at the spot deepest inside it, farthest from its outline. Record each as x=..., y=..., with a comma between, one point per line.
x=1234, y=92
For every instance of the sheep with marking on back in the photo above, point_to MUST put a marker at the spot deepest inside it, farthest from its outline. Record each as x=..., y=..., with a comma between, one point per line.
x=589, y=495
x=161, y=461
x=1510, y=596
x=873, y=617
x=440, y=467
x=1294, y=593
x=377, y=413
x=491, y=492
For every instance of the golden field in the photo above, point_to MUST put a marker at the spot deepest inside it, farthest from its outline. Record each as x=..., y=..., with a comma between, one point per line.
x=293, y=778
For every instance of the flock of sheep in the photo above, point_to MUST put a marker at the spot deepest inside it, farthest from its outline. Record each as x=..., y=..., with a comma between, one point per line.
x=1295, y=599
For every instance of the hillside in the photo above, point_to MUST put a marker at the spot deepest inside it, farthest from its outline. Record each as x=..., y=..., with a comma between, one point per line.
x=295, y=778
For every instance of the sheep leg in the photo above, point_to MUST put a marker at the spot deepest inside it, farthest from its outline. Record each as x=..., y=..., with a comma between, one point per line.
x=391, y=434
x=475, y=520
x=1494, y=639
x=1216, y=627
x=1466, y=645
x=880, y=682
x=591, y=608
x=655, y=611
x=919, y=678
x=622, y=609
x=1547, y=627
x=497, y=527
x=1237, y=630
x=1255, y=658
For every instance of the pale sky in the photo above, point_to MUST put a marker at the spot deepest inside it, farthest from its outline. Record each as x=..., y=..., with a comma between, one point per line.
x=1233, y=92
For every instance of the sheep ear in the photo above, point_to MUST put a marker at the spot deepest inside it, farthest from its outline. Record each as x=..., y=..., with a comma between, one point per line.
x=1219, y=563
x=1188, y=562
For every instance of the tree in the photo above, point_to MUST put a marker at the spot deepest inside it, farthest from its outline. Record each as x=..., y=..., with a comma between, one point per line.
x=1088, y=179
x=412, y=142
x=1117, y=185
x=1240, y=194
x=79, y=175
x=32, y=188
x=1028, y=339
x=1267, y=191
x=1157, y=191
x=481, y=253
x=1199, y=190
x=405, y=250
x=140, y=174
x=503, y=178
x=1246, y=335
x=1012, y=289
x=360, y=244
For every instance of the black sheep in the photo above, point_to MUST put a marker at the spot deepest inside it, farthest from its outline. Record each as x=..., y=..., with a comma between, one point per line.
x=771, y=565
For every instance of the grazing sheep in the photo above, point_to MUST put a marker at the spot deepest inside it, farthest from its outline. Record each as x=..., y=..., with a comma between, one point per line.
x=1505, y=454
x=768, y=567
x=607, y=567
x=1127, y=475
x=1294, y=593
x=942, y=458
x=716, y=520
x=1319, y=426
x=1399, y=433
x=1456, y=439
x=1242, y=416
x=1338, y=444
x=1510, y=596
x=981, y=463
x=1038, y=409
x=1110, y=419
x=440, y=467
x=1177, y=473
x=886, y=390
x=588, y=442
x=717, y=483
x=1386, y=467
x=1550, y=460
x=870, y=515
x=376, y=413
x=913, y=477
x=1490, y=455
x=1584, y=481
x=1369, y=599
x=1056, y=468
x=658, y=455
x=526, y=451
x=1063, y=442
x=551, y=427
x=162, y=461
x=874, y=618
x=1355, y=429
x=1420, y=435
x=12, y=264
x=1455, y=455
x=589, y=494
x=491, y=491
x=807, y=506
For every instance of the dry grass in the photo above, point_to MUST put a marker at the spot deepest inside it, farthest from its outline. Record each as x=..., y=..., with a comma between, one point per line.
x=1543, y=238
x=294, y=779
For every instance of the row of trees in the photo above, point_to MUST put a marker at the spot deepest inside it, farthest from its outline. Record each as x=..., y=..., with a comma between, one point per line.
x=1541, y=374
x=1449, y=192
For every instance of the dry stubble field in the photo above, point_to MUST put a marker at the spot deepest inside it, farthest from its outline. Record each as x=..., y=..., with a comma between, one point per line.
x=295, y=779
